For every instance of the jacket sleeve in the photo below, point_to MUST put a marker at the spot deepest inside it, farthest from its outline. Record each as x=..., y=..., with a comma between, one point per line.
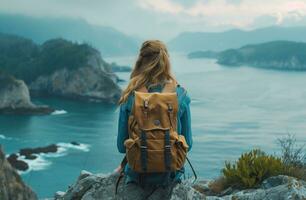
x=186, y=120
x=122, y=127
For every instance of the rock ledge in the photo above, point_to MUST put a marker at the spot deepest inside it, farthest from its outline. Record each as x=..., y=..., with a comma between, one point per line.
x=96, y=186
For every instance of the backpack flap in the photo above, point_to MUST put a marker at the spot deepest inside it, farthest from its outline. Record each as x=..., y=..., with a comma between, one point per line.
x=151, y=110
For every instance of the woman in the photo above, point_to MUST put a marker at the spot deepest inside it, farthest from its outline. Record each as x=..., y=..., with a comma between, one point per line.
x=152, y=71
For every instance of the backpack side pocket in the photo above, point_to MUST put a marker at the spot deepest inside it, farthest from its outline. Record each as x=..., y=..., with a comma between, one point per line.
x=132, y=152
x=181, y=151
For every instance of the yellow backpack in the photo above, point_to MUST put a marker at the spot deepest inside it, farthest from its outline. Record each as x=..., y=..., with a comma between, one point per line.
x=154, y=144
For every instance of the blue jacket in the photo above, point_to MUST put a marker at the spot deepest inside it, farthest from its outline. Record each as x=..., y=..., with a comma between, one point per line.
x=183, y=127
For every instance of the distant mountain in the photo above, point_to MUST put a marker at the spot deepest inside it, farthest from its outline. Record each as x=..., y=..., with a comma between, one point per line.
x=219, y=41
x=280, y=55
x=108, y=40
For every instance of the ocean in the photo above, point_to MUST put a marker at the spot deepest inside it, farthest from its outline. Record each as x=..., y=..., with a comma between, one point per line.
x=233, y=109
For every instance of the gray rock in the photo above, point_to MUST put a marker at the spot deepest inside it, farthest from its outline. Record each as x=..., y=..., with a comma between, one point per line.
x=274, y=188
x=85, y=83
x=94, y=82
x=15, y=98
x=275, y=181
x=227, y=191
x=59, y=195
x=186, y=191
x=11, y=184
x=84, y=174
x=93, y=187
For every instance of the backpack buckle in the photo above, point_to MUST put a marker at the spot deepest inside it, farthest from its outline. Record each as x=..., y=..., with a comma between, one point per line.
x=167, y=146
x=170, y=107
x=146, y=104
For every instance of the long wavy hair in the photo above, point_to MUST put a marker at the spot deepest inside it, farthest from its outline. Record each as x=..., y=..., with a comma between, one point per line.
x=152, y=67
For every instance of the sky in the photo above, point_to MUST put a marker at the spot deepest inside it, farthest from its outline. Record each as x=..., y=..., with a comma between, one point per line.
x=165, y=19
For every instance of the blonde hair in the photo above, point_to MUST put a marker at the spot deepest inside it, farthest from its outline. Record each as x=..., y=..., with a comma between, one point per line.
x=152, y=67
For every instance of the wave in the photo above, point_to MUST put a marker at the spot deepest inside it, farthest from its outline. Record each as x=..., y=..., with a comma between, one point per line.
x=4, y=138
x=42, y=161
x=59, y=112
x=66, y=146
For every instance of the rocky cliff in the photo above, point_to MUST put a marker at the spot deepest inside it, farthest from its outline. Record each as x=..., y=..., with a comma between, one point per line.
x=96, y=186
x=59, y=68
x=11, y=184
x=91, y=80
x=85, y=83
x=15, y=98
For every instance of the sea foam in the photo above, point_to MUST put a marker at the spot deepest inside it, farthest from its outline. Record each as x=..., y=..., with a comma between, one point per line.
x=42, y=161
x=59, y=112
x=66, y=146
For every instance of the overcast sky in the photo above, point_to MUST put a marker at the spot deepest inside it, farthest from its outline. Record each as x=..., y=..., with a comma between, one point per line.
x=166, y=18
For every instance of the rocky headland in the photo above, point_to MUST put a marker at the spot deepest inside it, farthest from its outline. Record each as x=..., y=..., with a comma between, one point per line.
x=15, y=98
x=11, y=185
x=60, y=68
x=85, y=83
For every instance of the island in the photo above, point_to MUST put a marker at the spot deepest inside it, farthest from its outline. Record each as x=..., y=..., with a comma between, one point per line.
x=278, y=55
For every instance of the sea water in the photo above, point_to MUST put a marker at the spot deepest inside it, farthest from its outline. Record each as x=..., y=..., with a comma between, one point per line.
x=233, y=110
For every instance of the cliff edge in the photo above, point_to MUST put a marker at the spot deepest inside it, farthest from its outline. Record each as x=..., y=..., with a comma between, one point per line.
x=11, y=184
x=96, y=186
x=15, y=98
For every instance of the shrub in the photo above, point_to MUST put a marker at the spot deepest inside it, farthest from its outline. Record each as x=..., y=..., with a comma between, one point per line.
x=251, y=169
x=293, y=157
x=255, y=166
x=292, y=154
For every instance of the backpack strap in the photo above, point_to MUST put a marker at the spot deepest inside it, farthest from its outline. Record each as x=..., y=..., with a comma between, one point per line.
x=170, y=86
x=121, y=173
x=167, y=151
x=143, y=151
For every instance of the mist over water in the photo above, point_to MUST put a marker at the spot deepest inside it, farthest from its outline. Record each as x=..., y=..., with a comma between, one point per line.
x=233, y=110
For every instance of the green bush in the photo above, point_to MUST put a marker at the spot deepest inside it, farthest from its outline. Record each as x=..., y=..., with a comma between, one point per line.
x=251, y=169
